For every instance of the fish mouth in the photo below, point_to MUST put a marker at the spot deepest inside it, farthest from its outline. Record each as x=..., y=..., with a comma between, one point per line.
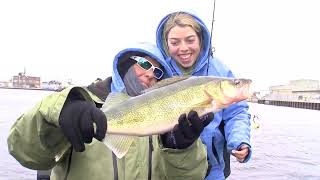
x=246, y=92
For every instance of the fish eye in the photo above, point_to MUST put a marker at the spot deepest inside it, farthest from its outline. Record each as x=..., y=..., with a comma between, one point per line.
x=236, y=82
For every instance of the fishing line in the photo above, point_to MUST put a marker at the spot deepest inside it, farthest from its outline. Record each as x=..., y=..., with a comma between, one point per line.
x=211, y=48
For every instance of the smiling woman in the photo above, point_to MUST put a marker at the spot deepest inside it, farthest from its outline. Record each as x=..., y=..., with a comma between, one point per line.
x=182, y=39
x=185, y=42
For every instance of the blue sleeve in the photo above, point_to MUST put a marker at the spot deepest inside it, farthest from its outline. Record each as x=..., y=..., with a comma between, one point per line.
x=236, y=117
x=237, y=125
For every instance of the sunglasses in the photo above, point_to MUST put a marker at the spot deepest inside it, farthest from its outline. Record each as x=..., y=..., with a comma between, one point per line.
x=147, y=65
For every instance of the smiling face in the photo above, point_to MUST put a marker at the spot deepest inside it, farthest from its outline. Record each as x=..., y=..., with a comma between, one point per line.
x=182, y=39
x=183, y=45
x=146, y=77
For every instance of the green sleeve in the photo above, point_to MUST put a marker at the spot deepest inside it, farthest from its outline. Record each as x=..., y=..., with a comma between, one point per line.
x=190, y=163
x=36, y=138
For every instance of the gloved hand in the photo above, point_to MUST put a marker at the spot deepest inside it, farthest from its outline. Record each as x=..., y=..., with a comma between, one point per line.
x=76, y=121
x=187, y=131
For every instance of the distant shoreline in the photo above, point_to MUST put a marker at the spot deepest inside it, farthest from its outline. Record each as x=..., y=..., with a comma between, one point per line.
x=42, y=89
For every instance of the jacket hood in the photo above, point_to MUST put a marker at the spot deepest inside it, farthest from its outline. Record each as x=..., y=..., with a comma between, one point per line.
x=122, y=63
x=205, y=47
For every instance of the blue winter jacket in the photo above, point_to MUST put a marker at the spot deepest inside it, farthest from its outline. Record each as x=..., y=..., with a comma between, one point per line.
x=235, y=118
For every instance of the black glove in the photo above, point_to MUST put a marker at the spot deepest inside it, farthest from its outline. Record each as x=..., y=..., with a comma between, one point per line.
x=187, y=131
x=76, y=121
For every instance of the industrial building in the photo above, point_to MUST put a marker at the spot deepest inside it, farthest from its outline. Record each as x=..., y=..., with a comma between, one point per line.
x=23, y=81
x=303, y=90
x=302, y=93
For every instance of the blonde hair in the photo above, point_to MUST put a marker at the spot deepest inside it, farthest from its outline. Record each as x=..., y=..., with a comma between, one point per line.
x=180, y=19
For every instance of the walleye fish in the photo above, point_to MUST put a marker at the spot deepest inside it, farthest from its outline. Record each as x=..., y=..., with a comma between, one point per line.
x=157, y=110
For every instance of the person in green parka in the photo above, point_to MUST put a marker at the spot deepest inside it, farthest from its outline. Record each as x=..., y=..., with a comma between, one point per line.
x=64, y=120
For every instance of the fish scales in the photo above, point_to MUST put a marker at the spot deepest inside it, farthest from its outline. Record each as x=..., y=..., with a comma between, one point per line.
x=157, y=108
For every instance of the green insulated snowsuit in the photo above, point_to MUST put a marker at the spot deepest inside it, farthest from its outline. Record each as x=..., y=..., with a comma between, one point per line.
x=35, y=139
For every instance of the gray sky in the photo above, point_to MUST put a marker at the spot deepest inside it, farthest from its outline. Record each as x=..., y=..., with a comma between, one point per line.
x=269, y=41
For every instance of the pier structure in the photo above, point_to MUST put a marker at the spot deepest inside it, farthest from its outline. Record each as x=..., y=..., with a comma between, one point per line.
x=294, y=104
x=302, y=93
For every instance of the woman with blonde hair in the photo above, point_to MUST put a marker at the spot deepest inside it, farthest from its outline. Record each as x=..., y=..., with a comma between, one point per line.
x=184, y=40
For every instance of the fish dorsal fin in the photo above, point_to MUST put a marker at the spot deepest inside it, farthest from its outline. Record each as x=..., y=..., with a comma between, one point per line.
x=118, y=144
x=166, y=82
x=115, y=98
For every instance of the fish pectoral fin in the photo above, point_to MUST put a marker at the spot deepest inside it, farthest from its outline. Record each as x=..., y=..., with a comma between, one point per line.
x=210, y=99
x=118, y=144
x=204, y=107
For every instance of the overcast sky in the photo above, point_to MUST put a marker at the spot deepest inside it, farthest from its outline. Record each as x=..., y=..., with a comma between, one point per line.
x=269, y=41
